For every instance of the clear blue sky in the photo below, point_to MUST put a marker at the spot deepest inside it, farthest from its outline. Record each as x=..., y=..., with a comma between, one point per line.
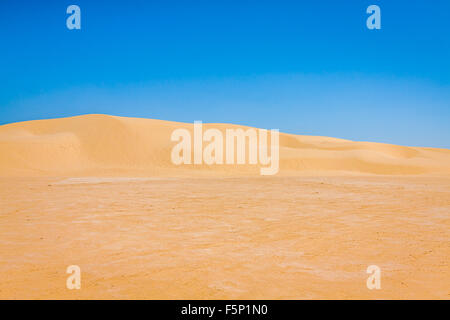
x=305, y=67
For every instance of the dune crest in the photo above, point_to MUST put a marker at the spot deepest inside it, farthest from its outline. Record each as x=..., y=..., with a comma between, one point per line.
x=101, y=145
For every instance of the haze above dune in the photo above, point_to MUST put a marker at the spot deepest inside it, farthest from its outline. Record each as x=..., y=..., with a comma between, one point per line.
x=101, y=145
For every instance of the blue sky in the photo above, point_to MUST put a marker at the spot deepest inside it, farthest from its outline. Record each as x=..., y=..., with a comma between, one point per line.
x=304, y=67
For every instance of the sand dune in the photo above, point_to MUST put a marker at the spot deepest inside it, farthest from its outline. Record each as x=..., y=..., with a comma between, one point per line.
x=101, y=192
x=101, y=145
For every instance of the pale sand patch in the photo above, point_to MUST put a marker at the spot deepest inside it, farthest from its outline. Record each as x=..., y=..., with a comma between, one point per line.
x=104, y=180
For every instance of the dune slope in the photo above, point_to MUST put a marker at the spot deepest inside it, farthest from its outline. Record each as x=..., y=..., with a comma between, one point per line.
x=101, y=145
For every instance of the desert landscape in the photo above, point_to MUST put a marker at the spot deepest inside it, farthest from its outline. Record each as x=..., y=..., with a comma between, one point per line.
x=101, y=192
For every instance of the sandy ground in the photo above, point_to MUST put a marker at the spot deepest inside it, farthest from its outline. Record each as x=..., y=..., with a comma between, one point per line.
x=215, y=238
x=101, y=192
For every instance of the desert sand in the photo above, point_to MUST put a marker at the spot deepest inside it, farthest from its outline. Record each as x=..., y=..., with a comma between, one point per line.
x=101, y=192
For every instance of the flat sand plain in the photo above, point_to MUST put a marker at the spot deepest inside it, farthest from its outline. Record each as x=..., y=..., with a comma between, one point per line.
x=225, y=238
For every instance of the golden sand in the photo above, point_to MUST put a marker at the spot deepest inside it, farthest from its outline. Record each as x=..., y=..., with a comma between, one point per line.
x=100, y=192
